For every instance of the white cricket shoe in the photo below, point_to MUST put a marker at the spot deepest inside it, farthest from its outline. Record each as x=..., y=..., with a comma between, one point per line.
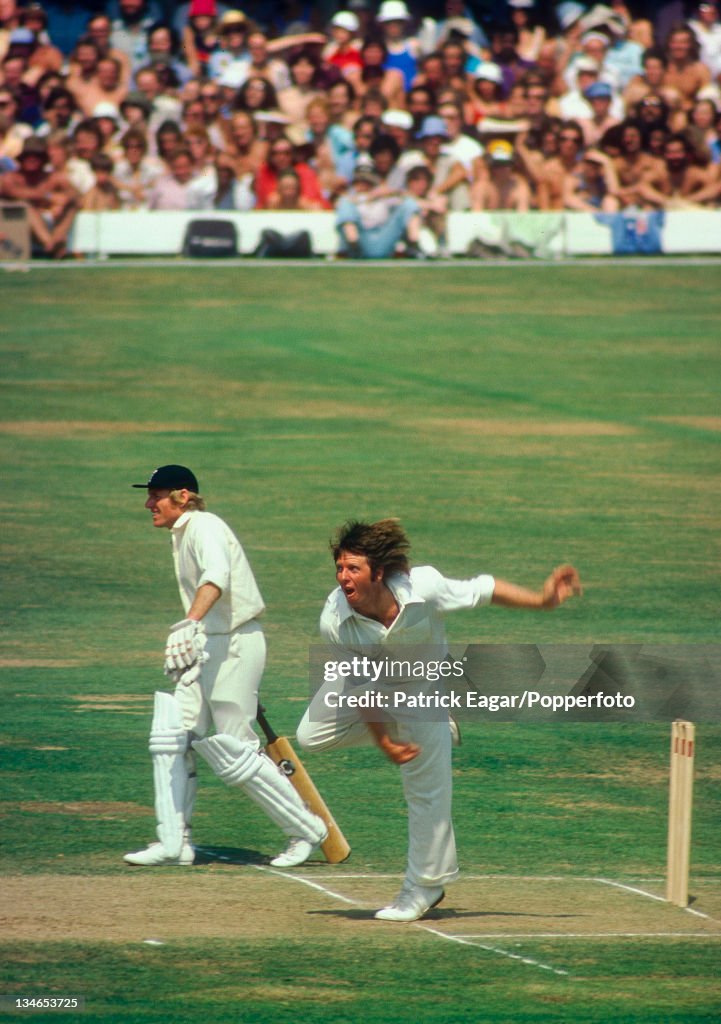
x=299, y=850
x=156, y=854
x=412, y=902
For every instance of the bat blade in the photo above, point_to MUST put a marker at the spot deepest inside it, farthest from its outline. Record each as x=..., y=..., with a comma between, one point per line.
x=335, y=847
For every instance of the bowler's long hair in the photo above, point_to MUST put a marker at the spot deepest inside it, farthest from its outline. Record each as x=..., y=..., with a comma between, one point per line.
x=384, y=544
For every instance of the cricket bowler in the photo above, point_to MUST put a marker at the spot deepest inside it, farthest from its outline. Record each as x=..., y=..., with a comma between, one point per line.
x=380, y=600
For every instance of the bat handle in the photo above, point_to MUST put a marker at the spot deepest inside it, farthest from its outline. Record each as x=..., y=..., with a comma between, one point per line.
x=265, y=725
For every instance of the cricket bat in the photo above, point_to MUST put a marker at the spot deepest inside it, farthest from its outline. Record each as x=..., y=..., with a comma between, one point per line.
x=335, y=846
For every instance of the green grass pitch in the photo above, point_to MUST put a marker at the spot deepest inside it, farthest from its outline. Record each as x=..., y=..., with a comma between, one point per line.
x=512, y=418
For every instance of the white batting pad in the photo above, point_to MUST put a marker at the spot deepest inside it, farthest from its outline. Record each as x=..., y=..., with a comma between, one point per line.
x=171, y=772
x=238, y=763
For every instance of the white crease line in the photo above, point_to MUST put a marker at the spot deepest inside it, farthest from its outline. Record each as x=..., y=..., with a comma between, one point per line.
x=593, y=935
x=464, y=941
x=651, y=896
x=305, y=881
x=423, y=927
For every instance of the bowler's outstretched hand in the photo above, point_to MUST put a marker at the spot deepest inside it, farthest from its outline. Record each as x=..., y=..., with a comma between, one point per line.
x=563, y=583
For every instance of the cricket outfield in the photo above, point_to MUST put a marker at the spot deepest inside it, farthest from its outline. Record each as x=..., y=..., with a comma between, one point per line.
x=513, y=418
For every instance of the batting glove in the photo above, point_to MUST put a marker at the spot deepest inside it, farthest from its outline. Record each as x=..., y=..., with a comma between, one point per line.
x=185, y=651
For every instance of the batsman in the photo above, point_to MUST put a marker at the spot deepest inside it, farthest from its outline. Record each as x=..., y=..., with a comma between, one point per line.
x=215, y=656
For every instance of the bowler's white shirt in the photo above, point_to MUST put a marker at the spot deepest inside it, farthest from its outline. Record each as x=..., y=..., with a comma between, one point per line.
x=205, y=550
x=422, y=598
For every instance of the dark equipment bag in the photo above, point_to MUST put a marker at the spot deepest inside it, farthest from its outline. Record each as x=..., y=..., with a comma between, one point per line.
x=210, y=238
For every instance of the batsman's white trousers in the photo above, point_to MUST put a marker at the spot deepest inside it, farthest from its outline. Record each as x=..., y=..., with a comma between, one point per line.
x=226, y=695
x=427, y=780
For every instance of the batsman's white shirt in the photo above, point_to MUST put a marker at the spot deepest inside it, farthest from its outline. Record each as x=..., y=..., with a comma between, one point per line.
x=205, y=550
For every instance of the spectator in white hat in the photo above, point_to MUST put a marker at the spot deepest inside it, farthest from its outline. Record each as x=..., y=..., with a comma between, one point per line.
x=531, y=35
x=486, y=98
x=707, y=29
x=404, y=49
x=573, y=104
x=343, y=51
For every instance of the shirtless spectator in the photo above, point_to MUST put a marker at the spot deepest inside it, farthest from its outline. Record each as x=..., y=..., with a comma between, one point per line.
x=684, y=70
x=549, y=68
x=651, y=81
x=83, y=68
x=245, y=148
x=505, y=187
x=593, y=186
x=634, y=166
x=551, y=185
x=99, y=29
x=51, y=202
x=599, y=96
x=105, y=86
x=304, y=74
x=685, y=186
x=536, y=149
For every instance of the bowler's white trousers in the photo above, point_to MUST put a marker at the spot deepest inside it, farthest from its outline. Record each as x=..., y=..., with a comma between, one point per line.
x=427, y=779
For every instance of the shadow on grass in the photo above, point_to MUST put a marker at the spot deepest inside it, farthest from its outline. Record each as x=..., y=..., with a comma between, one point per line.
x=443, y=914
x=228, y=855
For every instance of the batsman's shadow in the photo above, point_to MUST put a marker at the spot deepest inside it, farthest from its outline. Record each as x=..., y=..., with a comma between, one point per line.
x=228, y=855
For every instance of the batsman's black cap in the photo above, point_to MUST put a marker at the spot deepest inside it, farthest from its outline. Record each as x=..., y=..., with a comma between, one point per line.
x=171, y=478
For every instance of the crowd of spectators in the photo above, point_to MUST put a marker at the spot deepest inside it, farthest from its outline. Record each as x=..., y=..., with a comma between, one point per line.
x=389, y=118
